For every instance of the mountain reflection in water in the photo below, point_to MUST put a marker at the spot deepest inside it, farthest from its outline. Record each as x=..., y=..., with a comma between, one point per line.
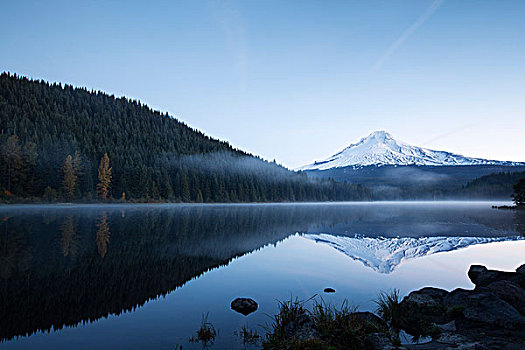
x=60, y=266
x=385, y=254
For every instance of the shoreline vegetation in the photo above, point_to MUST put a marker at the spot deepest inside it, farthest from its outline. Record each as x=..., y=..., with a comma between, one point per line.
x=490, y=316
x=109, y=202
x=518, y=197
x=509, y=207
x=62, y=143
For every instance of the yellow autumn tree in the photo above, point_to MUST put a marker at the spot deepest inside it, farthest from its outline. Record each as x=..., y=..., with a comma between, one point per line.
x=103, y=235
x=69, y=181
x=104, y=177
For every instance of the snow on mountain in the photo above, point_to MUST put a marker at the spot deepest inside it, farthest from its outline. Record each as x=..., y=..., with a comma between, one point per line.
x=380, y=148
x=385, y=254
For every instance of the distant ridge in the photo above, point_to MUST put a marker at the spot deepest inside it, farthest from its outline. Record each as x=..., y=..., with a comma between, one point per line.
x=381, y=148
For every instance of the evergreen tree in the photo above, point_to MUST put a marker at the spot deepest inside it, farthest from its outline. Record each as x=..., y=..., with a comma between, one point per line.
x=104, y=177
x=153, y=155
x=29, y=158
x=519, y=193
x=12, y=159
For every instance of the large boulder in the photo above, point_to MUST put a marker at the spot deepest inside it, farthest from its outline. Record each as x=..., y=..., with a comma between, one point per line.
x=371, y=323
x=483, y=308
x=482, y=277
x=509, y=292
x=422, y=308
x=426, y=298
x=520, y=276
x=378, y=341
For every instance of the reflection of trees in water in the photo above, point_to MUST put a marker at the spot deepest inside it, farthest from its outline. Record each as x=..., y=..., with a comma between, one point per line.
x=68, y=240
x=502, y=220
x=519, y=219
x=153, y=251
x=103, y=235
x=15, y=255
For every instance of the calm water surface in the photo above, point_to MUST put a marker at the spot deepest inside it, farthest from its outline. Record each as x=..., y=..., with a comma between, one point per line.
x=142, y=276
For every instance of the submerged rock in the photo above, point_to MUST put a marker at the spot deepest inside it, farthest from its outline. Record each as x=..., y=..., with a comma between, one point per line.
x=244, y=306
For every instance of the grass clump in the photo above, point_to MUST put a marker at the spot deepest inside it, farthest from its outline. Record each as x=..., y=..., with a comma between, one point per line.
x=323, y=327
x=339, y=328
x=206, y=333
x=389, y=308
x=248, y=337
x=285, y=332
x=416, y=322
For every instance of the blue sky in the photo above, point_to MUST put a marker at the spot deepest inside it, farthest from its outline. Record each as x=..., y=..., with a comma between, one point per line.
x=294, y=81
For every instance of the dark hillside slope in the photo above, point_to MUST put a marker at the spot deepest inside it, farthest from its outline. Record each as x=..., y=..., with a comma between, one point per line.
x=152, y=154
x=495, y=185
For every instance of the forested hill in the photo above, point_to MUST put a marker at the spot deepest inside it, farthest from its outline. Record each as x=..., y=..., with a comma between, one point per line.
x=497, y=185
x=54, y=136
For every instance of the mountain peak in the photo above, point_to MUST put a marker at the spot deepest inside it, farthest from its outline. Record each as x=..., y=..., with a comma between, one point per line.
x=379, y=135
x=381, y=148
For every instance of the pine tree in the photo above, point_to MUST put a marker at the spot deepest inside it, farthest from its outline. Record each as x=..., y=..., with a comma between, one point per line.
x=519, y=193
x=185, y=188
x=12, y=159
x=69, y=183
x=104, y=177
x=153, y=155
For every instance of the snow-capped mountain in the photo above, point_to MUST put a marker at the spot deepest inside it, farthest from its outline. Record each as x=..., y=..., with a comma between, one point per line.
x=385, y=254
x=380, y=148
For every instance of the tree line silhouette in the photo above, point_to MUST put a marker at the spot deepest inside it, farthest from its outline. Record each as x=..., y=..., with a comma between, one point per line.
x=53, y=138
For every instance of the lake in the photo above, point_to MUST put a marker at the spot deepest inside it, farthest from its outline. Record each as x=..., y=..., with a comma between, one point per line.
x=144, y=276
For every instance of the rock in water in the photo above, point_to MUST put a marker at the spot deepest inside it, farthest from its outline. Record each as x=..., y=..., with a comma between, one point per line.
x=482, y=307
x=482, y=277
x=329, y=290
x=244, y=306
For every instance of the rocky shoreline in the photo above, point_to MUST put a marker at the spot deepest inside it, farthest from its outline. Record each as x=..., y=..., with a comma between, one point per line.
x=490, y=316
x=509, y=207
